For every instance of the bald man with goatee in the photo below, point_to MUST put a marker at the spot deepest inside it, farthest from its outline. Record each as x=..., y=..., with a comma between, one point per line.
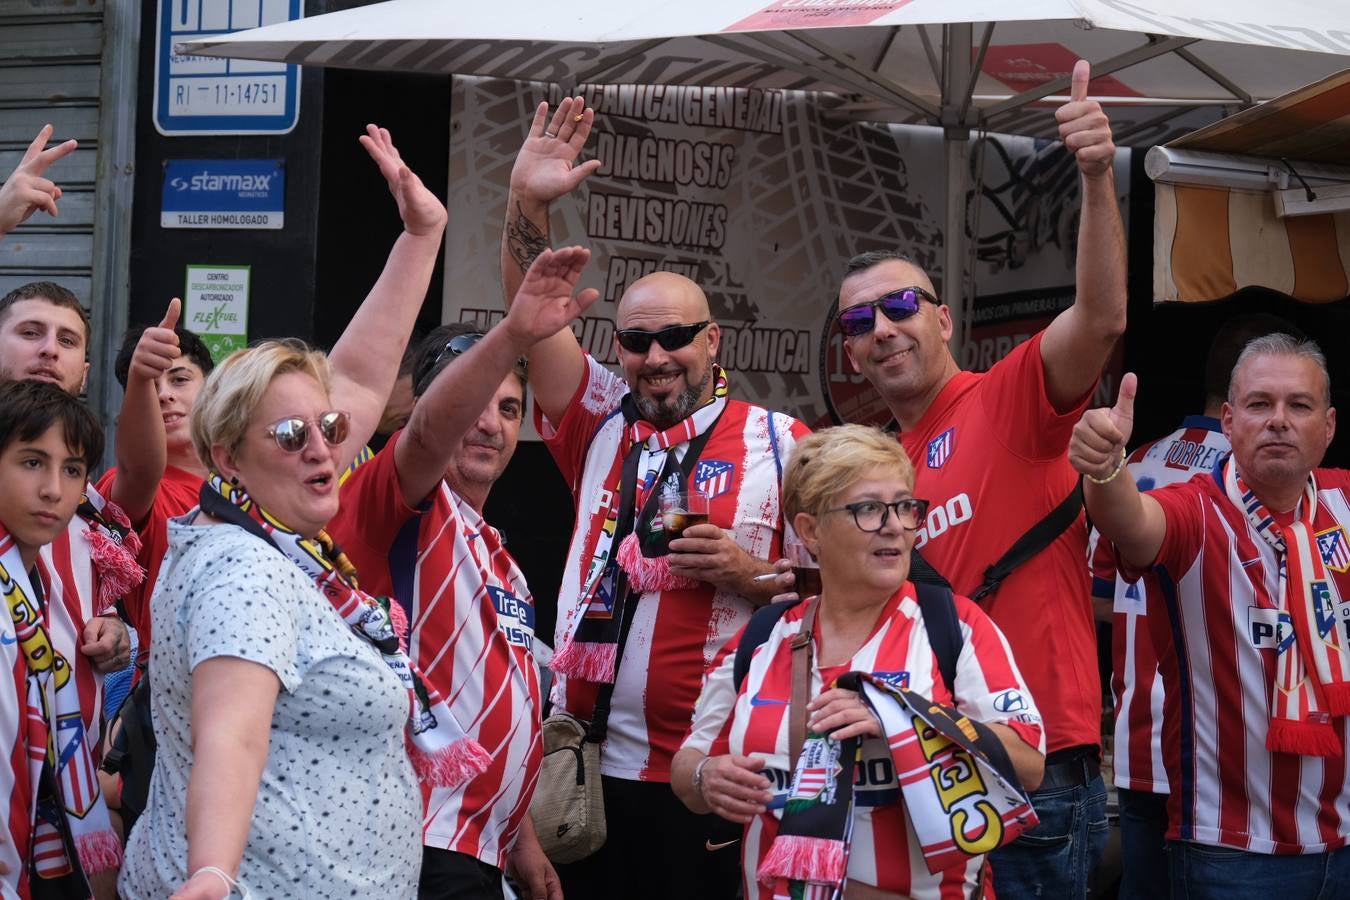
x=644, y=608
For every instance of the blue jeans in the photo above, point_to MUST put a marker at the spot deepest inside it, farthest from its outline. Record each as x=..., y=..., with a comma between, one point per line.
x=1055, y=859
x=1202, y=871
x=1143, y=845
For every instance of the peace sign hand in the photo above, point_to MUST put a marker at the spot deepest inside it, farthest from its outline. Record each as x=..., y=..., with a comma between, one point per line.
x=27, y=190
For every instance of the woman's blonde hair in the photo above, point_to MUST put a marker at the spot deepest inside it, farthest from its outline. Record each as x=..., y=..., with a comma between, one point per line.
x=234, y=389
x=830, y=461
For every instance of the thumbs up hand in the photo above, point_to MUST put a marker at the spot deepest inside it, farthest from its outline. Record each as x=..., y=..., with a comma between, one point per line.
x=1084, y=127
x=157, y=348
x=1099, y=438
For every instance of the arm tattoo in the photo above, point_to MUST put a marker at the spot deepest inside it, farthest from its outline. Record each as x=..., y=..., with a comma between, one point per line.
x=525, y=240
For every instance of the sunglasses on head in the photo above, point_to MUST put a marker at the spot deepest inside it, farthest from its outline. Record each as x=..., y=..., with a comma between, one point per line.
x=292, y=432
x=458, y=344
x=897, y=305
x=672, y=337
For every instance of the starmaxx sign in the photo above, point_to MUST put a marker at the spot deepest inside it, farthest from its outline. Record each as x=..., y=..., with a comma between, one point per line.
x=224, y=193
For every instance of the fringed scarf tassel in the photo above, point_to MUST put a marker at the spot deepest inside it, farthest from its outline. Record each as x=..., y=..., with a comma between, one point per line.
x=649, y=573
x=586, y=660
x=798, y=857
x=451, y=766
x=99, y=851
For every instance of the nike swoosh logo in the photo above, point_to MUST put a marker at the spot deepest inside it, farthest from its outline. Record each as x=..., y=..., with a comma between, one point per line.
x=6, y=639
x=757, y=700
x=710, y=846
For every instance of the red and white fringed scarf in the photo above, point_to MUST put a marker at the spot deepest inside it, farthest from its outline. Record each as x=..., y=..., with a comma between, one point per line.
x=113, y=547
x=440, y=751
x=1312, y=665
x=591, y=652
x=71, y=832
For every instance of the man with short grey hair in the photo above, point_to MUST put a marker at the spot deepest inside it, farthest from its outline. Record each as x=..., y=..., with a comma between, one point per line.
x=1252, y=627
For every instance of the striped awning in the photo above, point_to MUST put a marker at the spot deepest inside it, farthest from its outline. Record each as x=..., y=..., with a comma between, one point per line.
x=1209, y=242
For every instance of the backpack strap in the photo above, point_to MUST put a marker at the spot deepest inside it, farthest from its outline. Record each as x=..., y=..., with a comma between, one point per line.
x=943, y=627
x=1037, y=538
x=757, y=631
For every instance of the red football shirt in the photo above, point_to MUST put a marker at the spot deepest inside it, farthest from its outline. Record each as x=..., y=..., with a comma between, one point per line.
x=178, y=492
x=990, y=454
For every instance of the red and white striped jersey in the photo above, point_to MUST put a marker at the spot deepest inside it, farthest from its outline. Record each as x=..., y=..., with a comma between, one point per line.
x=472, y=633
x=675, y=633
x=1215, y=635
x=70, y=583
x=754, y=722
x=1136, y=687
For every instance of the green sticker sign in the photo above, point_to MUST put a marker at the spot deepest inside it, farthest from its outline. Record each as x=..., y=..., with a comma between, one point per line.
x=216, y=307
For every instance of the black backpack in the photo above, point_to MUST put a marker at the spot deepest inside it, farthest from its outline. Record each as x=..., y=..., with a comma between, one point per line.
x=935, y=602
x=131, y=753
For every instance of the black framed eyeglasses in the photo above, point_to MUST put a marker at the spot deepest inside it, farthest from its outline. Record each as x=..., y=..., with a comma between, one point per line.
x=672, y=337
x=292, y=432
x=897, y=305
x=458, y=344
x=872, y=515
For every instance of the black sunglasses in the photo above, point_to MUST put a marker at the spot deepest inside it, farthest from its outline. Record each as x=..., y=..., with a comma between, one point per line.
x=672, y=337
x=292, y=433
x=897, y=305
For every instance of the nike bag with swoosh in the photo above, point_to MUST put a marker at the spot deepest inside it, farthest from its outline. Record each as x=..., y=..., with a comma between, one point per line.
x=568, y=807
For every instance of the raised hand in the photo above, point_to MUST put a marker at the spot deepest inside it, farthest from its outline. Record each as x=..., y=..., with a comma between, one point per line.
x=27, y=190
x=545, y=168
x=422, y=213
x=1084, y=127
x=1100, y=436
x=158, y=346
x=545, y=304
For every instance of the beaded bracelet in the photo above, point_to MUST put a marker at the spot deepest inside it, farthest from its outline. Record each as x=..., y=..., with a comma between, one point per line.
x=1114, y=472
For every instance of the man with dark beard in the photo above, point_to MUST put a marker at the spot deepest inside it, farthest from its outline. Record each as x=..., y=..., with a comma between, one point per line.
x=644, y=609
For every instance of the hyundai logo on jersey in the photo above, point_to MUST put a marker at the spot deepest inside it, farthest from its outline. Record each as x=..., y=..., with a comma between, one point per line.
x=1010, y=701
x=712, y=477
x=940, y=448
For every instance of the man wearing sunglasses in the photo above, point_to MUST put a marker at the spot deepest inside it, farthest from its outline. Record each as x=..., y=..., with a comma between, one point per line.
x=642, y=613
x=990, y=451
x=411, y=521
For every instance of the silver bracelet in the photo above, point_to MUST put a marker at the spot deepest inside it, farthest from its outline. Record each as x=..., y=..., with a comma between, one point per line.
x=698, y=775
x=230, y=884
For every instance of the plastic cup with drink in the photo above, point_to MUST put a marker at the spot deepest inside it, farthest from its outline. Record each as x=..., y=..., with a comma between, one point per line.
x=682, y=510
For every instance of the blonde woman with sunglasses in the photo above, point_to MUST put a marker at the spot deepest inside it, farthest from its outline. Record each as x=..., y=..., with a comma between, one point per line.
x=288, y=724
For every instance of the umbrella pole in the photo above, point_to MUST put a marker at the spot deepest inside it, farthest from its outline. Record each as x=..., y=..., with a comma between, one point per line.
x=958, y=80
x=956, y=146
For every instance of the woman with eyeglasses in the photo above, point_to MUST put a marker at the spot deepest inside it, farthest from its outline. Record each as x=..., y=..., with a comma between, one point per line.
x=288, y=720
x=849, y=494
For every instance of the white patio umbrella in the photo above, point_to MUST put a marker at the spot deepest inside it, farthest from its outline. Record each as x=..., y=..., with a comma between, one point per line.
x=958, y=64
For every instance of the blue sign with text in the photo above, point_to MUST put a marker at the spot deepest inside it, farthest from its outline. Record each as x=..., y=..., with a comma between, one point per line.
x=209, y=95
x=223, y=193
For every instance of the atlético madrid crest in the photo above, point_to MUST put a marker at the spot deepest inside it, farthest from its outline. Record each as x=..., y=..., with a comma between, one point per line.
x=713, y=477
x=940, y=448
x=1335, y=548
